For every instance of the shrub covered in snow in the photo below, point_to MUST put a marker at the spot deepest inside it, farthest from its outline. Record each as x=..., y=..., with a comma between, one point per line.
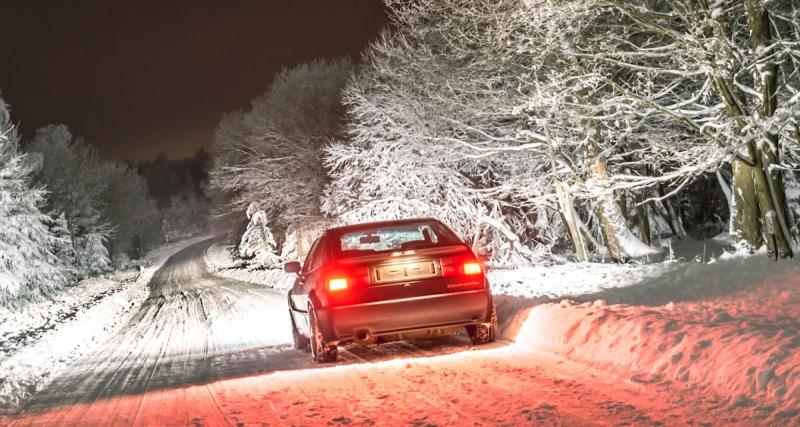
x=258, y=242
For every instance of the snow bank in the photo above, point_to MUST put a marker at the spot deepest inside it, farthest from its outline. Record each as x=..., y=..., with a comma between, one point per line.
x=40, y=339
x=556, y=281
x=730, y=326
x=220, y=262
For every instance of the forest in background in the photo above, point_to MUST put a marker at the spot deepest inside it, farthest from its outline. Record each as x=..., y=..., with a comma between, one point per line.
x=67, y=214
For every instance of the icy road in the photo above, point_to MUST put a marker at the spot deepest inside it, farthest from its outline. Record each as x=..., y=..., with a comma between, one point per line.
x=210, y=351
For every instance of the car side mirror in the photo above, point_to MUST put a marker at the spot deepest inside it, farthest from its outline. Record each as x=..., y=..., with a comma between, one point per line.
x=292, y=267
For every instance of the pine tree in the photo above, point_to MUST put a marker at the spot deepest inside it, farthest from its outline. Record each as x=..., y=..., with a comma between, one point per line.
x=62, y=246
x=75, y=182
x=92, y=253
x=28, y=268
x=258, y=242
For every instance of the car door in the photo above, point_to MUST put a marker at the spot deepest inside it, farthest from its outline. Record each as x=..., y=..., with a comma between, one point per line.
x=304, y=285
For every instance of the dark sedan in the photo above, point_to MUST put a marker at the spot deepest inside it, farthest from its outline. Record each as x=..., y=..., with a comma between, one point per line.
x=386, y=281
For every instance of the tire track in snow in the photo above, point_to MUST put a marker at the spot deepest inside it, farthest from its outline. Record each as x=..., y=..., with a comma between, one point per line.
x=191, y=325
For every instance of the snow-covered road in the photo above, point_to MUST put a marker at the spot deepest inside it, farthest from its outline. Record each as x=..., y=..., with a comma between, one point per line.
x=193, y=328
x=210, y=351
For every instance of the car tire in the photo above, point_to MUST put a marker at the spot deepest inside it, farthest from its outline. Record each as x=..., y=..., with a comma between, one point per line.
x=321, y=351
x=300, y=342
x=485, y=332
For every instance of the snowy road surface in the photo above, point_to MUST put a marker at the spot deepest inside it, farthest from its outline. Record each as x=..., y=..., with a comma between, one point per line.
x=210, y=351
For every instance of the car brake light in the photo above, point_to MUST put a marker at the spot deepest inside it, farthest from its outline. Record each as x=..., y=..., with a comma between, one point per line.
x=337, y=284
x=471, y=268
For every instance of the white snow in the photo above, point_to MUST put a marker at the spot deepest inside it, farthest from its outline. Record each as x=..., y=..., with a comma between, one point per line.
x=729, y=325
x=221, y=263
x=556, y=281
x=38, y=340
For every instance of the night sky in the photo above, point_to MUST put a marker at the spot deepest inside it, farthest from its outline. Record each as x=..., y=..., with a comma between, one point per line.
x=135, y=78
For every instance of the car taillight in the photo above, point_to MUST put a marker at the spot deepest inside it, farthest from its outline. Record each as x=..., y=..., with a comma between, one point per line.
x=337, y=284
x=464, y=264
x=471, y=268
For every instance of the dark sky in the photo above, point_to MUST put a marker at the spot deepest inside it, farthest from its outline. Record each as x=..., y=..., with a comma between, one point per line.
x=135, y=78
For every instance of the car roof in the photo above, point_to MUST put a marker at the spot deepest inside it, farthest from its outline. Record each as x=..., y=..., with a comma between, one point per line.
x=377, y=224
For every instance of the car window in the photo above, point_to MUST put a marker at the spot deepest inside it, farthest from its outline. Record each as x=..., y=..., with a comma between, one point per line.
x=319, y=254
x=395, y=238
x=309, y=264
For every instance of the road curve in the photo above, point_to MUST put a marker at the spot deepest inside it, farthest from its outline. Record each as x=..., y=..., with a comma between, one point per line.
x=192, y=329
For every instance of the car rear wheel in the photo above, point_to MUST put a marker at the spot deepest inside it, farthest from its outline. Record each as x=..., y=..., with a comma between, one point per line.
x=485, y=332
x=320, y=350
x=300, y=342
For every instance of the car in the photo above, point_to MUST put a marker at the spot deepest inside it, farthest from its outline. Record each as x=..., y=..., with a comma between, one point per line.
x=386, y=281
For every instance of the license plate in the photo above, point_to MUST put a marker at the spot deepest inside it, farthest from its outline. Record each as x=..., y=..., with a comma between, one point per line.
x=405, y=271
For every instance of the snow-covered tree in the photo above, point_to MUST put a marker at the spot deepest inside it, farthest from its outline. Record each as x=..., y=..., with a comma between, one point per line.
x=272, y=153
x=62, y=245
x=93, y=255
x=726, y=72
x=187, y=215
x=258, y=242
x=28, y=267
x=131, y=210
x=486, y=92
x=70, y=172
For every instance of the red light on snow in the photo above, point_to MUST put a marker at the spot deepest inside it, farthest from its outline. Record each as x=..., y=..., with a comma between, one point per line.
x=337, y=284
x=472, y=268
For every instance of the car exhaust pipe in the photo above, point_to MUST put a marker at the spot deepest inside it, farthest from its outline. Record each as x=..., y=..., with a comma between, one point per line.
x=363, y=338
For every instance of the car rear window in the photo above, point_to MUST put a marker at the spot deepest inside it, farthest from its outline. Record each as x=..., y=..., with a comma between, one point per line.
x=391, y=238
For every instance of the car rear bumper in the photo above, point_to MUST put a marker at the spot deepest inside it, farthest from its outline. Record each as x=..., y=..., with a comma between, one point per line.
x=343, y=323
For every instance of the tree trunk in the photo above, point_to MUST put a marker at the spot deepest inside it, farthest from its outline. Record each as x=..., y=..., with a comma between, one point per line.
x=745, y=220
x=726, y=190
x=760, y=211
x=669, y=214
x=570, y=218
x=622, y=245
x=623, y=203
x=644, y=219
x=754, y=193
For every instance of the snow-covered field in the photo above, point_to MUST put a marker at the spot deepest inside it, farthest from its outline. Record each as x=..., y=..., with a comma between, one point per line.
x=221, y=263
x=41, y=338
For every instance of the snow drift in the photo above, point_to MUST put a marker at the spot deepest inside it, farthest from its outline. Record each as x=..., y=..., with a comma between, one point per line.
x=742, y=341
